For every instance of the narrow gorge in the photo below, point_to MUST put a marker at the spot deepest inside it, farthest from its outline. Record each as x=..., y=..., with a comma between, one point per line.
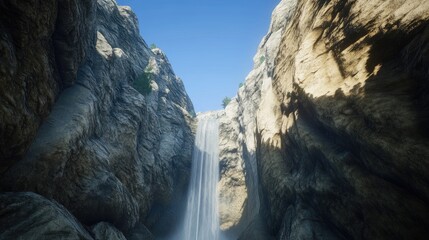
x=327, y=138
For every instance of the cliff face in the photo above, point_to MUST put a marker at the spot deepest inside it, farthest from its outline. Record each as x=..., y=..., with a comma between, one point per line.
x=351, y=150
x=73, y=128
x=238, y=186
x=340, y=122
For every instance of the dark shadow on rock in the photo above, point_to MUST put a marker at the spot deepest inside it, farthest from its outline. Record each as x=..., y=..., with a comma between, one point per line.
x=354, y=165
x=256, y=230
x=139, y=232
x=106, y=231
x=165, y=218
x=251, y=204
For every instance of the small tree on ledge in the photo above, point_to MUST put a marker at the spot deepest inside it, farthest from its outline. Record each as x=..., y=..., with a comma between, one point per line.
x=226, y=101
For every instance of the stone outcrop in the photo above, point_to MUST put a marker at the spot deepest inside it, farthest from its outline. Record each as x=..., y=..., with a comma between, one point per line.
x=72, y=126
x=338, y=127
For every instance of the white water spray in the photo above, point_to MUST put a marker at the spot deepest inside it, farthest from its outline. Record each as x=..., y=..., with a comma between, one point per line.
x=201, y=219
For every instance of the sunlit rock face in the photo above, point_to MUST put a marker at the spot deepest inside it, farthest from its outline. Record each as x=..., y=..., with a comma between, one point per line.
x=232, y=185
x=338, y=127
x=238, y=187
x=74, y=129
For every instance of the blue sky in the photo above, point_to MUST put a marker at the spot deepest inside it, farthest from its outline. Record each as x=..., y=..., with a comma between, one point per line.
x=210, y=43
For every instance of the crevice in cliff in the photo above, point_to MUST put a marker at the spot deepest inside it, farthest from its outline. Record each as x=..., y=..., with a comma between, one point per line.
x=72, y=37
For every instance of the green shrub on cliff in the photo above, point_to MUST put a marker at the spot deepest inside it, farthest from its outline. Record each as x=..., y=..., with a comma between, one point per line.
x=261, y=59
x=226, y=101
x=142, y=83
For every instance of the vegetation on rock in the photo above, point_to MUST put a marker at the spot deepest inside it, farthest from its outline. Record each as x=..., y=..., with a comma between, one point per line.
x=143, y=83
x=261, y=59
x=225, y=102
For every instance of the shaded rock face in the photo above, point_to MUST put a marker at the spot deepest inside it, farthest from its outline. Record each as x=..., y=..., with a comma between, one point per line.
x=30, y=216
x=105, y=231
x=140, y=232
x=72, y=126
x=27, y=215
x=35, y=51
x=340, y=124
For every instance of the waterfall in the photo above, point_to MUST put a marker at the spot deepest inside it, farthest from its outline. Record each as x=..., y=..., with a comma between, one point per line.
x=201, y=218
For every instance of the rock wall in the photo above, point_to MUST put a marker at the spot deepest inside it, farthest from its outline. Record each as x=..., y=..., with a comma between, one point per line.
x=338, y=127
x=73, y=129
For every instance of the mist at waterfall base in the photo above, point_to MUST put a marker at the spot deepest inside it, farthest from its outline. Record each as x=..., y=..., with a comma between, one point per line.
x=201, y=220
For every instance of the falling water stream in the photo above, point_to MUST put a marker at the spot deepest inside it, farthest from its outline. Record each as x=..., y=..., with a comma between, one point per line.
x=201, y=218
